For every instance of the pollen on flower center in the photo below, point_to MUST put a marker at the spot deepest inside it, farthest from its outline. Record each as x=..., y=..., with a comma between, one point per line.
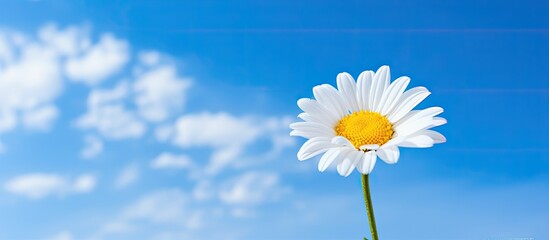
x=365, y=127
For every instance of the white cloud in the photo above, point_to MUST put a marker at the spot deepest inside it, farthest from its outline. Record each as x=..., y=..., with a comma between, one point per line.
x=32, y=70
x=168, y=160
x=203, y=190
x=228, y=135
x=108, y=115
x=215, y=130
x=162, y=206
x=84, y=183
x=8, y=120
x=225, y=133
x=93, y=147
x=127, y=176
x=40, y=118
x=30, y=79
x=164, y=132
x=40, y=185
x=159, y=92
x=36, y=185
x=253, y=188
x=113, y=121
x=149, y=58
x=100, y=97
x=100, y=61
x=69, y=41
x=222, y=158
x=169, y=207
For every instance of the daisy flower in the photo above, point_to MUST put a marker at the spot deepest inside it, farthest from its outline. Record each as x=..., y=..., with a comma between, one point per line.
x=360, y=121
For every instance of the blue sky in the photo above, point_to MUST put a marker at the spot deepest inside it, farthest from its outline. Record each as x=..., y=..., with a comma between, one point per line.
x=148, y=120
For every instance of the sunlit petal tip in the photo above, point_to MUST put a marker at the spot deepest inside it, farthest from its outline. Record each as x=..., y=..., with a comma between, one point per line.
x=436, y=136
x=293, y=125
x=442, y=139
x=384, y=68
x=294, y=133
x=437, y=121
x=343, y=75
x=301, y=100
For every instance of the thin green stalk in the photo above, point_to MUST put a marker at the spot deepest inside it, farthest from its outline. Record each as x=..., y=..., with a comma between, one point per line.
x=369, y=207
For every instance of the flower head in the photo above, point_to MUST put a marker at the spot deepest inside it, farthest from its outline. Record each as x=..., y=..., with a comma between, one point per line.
x=359, y=121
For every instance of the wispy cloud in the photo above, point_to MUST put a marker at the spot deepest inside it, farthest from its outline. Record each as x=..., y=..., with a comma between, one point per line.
x=159, y=91
x=228, y=135
x=127, y=176
x=166, y=207
x=40, y=185
x=93, y=147
x=253, y=188
x=169, y=160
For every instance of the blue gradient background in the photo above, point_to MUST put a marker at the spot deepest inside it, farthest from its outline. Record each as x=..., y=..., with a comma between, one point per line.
x=485, y=63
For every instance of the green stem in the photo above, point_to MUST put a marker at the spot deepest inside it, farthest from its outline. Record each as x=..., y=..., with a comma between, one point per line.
x=369, y=207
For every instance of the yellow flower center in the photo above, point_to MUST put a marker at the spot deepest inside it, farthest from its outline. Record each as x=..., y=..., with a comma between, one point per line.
x=365, y=127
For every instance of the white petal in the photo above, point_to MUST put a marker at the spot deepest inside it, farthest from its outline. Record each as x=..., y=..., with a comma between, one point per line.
x=436, y=136
x=394, y=141
x=342, y=141
x=414, y=115
x=392, y=95
x=406, y=117
x=308, y=134
x=347, y=89
x=316, y=118
x=313, y=147
x=369, y=147
x=350, y=159
x=437, y=121
x=328, y=158
x=363, y=89
x=413, y=118
x=419, y=141
x=328, y=97
x=313, y=127
x=315, y=110
x=413, y=127
x=423, y=139
x=306, y=117
x=379, y=84
x=367, y=163
x=407, y=102
x=356, y=158
x=389, y=154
